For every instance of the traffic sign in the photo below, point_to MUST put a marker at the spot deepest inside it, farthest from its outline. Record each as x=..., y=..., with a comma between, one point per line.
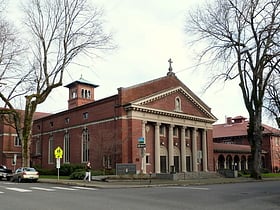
x=141, y=145
x=58, y=152
x=141, y=140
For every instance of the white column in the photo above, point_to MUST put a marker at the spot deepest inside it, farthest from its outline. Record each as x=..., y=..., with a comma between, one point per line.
x=204, y=151
x=157, y=149
x=194, y=150
x=239, y=165
x=170, y=147
x=143, y=167
x=183, y=148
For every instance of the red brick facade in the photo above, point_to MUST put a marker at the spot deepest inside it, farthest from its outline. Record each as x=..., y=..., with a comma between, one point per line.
x=114, y=125
x=232, y=149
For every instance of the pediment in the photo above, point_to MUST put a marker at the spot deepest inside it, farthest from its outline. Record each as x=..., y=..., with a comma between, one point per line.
x=177, y=101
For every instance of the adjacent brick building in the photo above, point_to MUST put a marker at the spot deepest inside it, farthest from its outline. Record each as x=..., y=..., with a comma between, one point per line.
x=175, y=124
x=10, y=144
x=232, y=149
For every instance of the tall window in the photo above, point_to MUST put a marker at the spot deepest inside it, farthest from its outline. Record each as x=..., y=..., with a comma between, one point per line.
x=66, y=148
x=51, y=150
x=17, y=141
x=85, y=145
x=74, y=93
x=38, y=146
x=162, y=130
x=175, y=131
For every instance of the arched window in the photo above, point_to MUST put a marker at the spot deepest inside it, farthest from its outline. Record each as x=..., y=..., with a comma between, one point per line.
x=88, y=93
x=85, y=145
x=74, y=93
x=51, y=149
x=66, y=149
x=83, y=93
x=178, y=104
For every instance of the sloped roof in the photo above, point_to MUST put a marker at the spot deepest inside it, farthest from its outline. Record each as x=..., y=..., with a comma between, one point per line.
x=238, y=128
x=143, y=93
x=220, y=147
x=81, y=81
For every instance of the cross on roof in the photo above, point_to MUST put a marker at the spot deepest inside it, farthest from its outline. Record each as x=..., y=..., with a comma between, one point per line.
x=170, y=73
x=170, y=67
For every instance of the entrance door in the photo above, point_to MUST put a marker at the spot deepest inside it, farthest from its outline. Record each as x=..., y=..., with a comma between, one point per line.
x=177, y=163
x=188, y=163
x=163, y=164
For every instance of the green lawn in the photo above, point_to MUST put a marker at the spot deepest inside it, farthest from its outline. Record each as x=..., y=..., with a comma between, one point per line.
x=271, y=175
x=53, y=177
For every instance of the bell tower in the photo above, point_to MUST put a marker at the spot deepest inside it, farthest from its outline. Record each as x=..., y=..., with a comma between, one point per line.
x=80, y=92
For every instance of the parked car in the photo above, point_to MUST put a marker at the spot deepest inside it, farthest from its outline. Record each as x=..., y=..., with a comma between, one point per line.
x=26, y=174
x=5, y=173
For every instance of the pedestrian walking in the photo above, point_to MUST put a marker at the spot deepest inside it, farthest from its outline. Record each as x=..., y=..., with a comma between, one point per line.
x=88, y=172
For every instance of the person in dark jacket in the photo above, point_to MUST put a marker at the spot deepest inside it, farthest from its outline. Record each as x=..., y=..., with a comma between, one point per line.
x=88, y=172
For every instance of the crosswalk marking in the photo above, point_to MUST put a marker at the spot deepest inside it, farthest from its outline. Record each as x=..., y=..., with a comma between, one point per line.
x=51, y=189
x=43, y=189
x=84, y=188
x=64, y=188
x=18, y=189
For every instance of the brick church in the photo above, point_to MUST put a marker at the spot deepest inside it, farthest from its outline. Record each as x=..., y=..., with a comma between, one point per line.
x=159, y=126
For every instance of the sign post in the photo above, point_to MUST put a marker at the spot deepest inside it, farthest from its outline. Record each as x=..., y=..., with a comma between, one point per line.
x=58, y=152
x=142, y=145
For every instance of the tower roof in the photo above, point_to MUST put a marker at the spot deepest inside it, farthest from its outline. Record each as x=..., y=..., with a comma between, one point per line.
x=81, y=81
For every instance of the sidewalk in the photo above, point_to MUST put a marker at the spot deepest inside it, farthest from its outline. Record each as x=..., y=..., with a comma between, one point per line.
x=120, y=183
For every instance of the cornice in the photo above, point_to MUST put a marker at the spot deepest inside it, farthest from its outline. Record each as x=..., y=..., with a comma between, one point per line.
x=133, y=107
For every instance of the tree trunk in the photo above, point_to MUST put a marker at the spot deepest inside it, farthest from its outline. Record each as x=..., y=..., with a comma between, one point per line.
x=255, y=140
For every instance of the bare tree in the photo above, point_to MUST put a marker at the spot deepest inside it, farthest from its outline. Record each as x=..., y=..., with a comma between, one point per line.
x=272, y=99
x=242, y=38
x=60, y=31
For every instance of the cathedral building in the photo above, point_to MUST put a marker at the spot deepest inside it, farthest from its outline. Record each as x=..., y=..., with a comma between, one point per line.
x=159, y=126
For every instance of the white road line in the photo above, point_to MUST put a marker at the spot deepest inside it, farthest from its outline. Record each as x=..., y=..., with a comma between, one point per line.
x=43, y=189
x=1, y=192
x=64, y=188
x=84, y=188
x=198, y=188
x=18, y=189
x=192, y=188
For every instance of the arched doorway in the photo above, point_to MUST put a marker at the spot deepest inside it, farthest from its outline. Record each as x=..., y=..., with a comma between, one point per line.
x=163, y=159
x=243, y=163
x=221, y=162
x=229, y=162
x=188, y=159
x=236, y=162
x=177, y=155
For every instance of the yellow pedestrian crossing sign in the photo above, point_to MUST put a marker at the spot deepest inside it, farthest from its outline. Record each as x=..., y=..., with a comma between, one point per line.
x=58, y=152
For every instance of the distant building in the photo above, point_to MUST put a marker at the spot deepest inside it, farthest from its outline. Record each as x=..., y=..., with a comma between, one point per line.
x=232, y=149
x=10, y=144
x=160, y=126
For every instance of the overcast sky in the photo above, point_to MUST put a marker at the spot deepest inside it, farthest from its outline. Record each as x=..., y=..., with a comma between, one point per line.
x=148, y=33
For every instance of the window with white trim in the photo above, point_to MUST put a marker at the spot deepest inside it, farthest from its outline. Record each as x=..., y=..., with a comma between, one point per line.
x=66, y=149
x=17, y=141
x=38, y=147
x=178, y=104
x=51, y=150
x=85, y=145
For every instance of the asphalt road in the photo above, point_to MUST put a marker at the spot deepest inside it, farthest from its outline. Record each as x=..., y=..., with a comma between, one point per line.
x=43, y=196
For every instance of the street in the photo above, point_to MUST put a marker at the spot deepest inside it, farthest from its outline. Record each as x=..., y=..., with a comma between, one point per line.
x=43, y=196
